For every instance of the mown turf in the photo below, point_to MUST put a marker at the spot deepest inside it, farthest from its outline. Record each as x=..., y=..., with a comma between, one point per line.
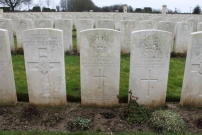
x=72, y=64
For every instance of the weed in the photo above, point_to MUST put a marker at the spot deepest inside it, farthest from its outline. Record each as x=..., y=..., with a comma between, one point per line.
x=81, y=123
x=67, y=53
x=134, y=112
x=167, y=121
x=52, y=119
x=178, y=55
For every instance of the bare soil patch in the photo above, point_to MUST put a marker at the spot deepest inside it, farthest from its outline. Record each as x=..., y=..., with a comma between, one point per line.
x=26, y=117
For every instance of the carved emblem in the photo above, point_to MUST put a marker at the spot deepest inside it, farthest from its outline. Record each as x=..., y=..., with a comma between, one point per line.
x=44, y=66
x=167, y=27
x=23, y=25
x=84, y=25
x=42, y=24
x=2, y=25
x=149, y=26
x=129, y=26
x=152, y=44
x=185, y=27
x=100, y=44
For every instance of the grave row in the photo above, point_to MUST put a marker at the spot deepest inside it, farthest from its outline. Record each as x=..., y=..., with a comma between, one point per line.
x=181, y=26
x=100, y=67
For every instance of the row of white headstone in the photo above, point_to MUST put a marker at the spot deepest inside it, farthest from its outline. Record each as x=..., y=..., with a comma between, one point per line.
x=100, y=68
x=180, y=31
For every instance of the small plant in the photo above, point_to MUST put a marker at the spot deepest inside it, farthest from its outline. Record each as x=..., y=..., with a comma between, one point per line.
x=167, y=121
x=135, y=112
x=67, y=52
x=81, y=123
x=29, y=111
x=52, y=119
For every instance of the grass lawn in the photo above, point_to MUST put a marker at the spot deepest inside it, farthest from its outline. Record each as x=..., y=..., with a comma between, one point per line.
x=73, y=78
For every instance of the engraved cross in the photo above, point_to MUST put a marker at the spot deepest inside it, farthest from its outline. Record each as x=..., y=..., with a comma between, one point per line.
x=149, y=80
x=101, y=77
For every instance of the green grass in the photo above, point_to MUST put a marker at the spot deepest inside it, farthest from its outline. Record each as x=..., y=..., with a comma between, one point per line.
x=72, y=64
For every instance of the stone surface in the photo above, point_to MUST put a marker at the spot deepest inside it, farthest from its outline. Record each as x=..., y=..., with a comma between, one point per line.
x=7, y=83
x=23, y=24
x=43, y=23
x=148, y=24
x=100, y=67
x=66, y=26
x=7, y=25
x=127, y=27
x=169, y=27
x=105, y=23
x=149, y=66
x=192, y=87
x=82, y=24
x=182, y=36
x=45, y=69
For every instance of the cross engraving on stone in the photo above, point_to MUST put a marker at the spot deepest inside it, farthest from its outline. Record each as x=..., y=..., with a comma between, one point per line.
x=149, y=85
x=101, y=77
x=44, y=66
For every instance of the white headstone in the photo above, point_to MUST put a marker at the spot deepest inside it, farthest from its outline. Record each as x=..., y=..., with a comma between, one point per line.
x=43, y=23
x=149, y=66
x=100, y=67
x=66, y=26
x=105, y=23
x=167, y=26
x=7, y=25
x=127, y=26
x=7, y=83
x=199, y=27
x=194, y=22
x=148, y=24
x=182, y=36
x=82, y=24
x=23, y=24
x=15, y=22
x=192, y=87
x=45, y=69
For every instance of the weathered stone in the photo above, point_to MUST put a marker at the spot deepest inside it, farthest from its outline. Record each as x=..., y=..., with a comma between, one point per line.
x=100, y=67
x=43, y=23
x=45, y=69
x=149, y=66
x=105, y=23
x=148, y=24
x=7, y=83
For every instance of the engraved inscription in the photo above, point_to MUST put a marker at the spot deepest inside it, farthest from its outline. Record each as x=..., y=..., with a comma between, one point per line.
x=84, y=25
x=185, y=27
x=149, y=83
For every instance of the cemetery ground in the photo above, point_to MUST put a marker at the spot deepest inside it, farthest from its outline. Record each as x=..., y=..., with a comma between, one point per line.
x=24, y=117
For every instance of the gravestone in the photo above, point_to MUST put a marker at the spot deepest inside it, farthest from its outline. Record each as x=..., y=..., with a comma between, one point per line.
x=15, y=22
x=182, y=36
x=148, y=24
x=127, y=26
x=100, y=67
x=194, y=22
x=199, y=27
x=105, y=23
x=169, y=27
x=149, y=66
x=66, y=26
x=45, y=69
x=23, y=24
x=43, y=23
x=7, y=25
x=117, y=20
x=192, y=87
x=82, y=24
x=7, y=83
